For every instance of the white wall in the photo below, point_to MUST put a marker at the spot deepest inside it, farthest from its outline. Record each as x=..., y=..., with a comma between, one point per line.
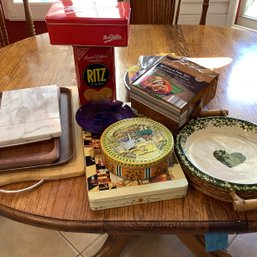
x=220, y=12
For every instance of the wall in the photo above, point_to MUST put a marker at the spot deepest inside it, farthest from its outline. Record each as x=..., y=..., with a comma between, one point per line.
x=220, y=12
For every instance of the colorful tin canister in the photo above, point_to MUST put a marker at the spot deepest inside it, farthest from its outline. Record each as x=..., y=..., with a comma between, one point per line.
x=137, y=148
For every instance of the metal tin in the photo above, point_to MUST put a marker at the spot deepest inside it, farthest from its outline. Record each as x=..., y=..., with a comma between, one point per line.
x=88, y=23
x=137, y=148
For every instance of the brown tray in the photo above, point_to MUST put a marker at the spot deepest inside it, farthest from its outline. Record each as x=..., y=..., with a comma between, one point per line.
x=45, y=153
x=37, y=153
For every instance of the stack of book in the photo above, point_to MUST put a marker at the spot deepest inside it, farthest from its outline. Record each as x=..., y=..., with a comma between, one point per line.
x=173, y=90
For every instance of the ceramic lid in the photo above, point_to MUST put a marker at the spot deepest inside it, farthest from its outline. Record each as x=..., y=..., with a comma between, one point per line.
x=136, y=142
x=89, y=12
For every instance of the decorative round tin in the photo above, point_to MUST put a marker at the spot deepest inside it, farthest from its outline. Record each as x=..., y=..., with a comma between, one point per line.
x=137, y=148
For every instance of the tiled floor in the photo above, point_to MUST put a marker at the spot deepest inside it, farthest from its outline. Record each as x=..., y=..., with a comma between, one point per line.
x=19, y=240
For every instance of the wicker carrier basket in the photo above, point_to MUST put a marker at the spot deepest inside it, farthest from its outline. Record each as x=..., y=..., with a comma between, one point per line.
x=220, y=173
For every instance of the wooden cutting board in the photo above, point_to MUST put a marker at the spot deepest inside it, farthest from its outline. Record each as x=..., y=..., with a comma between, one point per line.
x=74, y=167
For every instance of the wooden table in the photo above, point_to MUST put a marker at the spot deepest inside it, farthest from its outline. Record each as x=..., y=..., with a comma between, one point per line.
x=63, y=204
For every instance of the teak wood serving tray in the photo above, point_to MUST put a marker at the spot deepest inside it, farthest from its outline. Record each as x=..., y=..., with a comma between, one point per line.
x=71, y=168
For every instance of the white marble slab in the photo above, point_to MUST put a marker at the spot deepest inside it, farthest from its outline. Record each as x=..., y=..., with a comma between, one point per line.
x=29, y=115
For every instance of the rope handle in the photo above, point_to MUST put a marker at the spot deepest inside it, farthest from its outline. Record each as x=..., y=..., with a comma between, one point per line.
x=24, y=189
x=209, y=113
x=240, y=204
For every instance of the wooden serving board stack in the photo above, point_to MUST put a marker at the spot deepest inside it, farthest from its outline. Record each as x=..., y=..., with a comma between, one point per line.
x=54, y=158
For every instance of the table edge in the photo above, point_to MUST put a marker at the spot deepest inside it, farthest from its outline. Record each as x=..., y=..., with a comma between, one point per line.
x=125, y=227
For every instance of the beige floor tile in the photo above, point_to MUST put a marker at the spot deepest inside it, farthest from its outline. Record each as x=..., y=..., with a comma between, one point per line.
x=156, y=245
x=80, y=241
x=95, y=246
x=20, y=240
x=231, y=238
x=244, y=245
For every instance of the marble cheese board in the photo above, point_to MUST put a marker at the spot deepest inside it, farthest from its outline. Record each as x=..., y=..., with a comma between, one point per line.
x=29, y=115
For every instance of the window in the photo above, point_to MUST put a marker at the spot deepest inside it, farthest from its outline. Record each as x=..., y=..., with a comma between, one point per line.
x=247, y=14
x=13, y=9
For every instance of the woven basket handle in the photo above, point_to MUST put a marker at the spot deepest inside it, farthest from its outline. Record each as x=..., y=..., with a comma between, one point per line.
x=23, y=189
x=240, y=204
x=207, y=113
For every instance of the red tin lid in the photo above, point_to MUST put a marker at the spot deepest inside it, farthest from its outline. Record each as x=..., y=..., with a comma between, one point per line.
x=89, y=12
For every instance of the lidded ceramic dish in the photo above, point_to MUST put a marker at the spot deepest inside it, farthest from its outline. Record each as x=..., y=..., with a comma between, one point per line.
x=137, y=148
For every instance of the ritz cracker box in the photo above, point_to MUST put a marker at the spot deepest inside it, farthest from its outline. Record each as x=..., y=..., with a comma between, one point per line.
x=93, y=28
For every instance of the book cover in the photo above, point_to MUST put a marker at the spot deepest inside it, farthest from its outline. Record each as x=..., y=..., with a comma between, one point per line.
x=178, y=82
x=106, y=190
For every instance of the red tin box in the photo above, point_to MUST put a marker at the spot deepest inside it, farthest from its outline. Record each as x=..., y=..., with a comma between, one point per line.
x=88, y=23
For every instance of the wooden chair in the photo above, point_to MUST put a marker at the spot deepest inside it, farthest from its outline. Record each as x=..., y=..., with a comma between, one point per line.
x=152, y=11
x=205, y=6
x=160, y=11
x=4, y=40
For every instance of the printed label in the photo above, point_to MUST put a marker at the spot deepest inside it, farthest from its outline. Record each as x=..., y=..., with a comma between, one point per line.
x=96, y=75
x=111, y=37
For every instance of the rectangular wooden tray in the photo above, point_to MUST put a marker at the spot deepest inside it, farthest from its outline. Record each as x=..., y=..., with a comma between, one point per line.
x=31, y=154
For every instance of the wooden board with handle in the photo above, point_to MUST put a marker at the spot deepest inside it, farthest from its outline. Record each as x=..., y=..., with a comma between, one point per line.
x=74, y=167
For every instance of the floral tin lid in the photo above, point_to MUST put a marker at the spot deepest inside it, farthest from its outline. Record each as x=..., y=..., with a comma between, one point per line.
x=137, y=142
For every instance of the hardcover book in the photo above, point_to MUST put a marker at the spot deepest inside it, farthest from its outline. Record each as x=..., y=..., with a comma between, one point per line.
x=106, y=190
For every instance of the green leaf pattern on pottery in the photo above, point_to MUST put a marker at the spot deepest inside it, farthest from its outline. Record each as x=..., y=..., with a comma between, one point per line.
x=201, y=124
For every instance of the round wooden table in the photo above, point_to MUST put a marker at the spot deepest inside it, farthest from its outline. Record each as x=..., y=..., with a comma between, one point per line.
x=63, y=204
